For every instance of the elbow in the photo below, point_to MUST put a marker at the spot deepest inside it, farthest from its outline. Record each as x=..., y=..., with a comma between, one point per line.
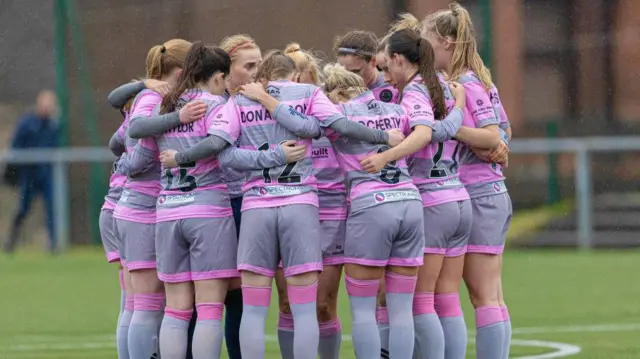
x=134, y=131
x=113, y=100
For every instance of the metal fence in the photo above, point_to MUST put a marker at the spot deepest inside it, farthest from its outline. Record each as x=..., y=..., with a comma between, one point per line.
x=582, y=148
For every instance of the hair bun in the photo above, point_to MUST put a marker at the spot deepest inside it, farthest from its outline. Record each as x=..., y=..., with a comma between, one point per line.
x=455, y=8
x=292, y=47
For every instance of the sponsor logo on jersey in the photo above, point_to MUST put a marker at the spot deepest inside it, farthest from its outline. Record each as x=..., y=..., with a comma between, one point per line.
x=450, y=182
x=176, y=199
x=279, y=191
x=392, y=196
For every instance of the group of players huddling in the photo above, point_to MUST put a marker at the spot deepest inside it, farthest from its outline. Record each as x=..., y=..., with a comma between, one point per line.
x=234, y=169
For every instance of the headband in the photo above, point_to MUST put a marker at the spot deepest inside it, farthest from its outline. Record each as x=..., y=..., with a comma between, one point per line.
x=233, y=49
x=348, y=50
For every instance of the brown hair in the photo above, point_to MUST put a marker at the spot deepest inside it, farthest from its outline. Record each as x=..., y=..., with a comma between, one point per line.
x=201, y=64
x=339, y=82
x=456, y=23
x=275, y=65
x=357, y=42
x=418, y=51
x=162, y=59
x=405, y=21
x=232, y=44
x=305, y=61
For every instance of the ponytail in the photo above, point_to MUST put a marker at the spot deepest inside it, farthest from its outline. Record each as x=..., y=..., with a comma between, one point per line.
x=430, y=79
x=418, y=51
x=200, y=64
x=162, y=59
x=456, y=23
x=154, y=62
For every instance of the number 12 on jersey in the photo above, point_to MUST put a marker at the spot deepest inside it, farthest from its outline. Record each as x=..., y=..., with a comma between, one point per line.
x=286, y=176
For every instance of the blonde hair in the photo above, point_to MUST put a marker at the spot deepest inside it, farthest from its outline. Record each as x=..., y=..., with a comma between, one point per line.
x=341, y=83
x=405, y=21
x=305, y=61
x=456, y=23
x=275, y=66
x=232, y=44
x=161, y=59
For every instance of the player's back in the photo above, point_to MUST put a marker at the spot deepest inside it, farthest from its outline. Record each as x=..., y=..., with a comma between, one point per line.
x=201, y=175
x=434, y=168
x=366, y=110
x=260, y=131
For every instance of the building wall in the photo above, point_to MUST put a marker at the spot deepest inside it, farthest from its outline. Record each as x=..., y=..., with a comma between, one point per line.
x=572, y=61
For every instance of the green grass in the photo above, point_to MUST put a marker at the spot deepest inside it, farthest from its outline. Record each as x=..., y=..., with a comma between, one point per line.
x=65, y=307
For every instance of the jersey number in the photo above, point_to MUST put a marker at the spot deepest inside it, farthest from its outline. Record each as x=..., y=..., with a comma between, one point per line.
x=285, y=176
x=390, y=173
x=185, y=181
x=437, y=172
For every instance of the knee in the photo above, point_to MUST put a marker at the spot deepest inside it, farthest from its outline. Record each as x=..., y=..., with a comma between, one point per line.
x=483, y=299
x=326, y=308
x=284, y=306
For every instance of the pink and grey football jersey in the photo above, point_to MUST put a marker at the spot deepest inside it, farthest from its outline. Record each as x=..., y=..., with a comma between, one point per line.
x=383, y=91
x=117, y=180
x=250, y=123
x=479, y=177
x=195, y=190
x=332, y=196
x=494, y=97
x=434, y=168
x=138, y=200
x=391, y=184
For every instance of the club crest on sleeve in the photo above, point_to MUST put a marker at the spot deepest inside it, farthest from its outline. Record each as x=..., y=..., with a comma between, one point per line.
x=273, y=91
x=493, y=96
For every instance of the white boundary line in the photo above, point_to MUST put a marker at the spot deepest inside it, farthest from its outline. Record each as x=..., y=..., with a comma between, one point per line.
x=562, y=350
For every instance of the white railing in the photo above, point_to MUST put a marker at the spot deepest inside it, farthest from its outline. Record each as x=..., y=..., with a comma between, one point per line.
x=580, y=147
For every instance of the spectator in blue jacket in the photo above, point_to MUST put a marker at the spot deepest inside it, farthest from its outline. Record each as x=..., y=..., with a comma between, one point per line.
x=36, y=129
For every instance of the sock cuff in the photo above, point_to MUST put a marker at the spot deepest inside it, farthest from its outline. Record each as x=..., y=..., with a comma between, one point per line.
x=128, y=303
x=448, y=305
x=488, y=315
x=382, y=315
x=209, y=311
x=302, y=294
x=505, y=313
x=423, y=303
x=148, y=301
x=398, y=283
x=330, y=328
x=361, y=288
x=285, y=321
x=256, y=296
x=184, y=315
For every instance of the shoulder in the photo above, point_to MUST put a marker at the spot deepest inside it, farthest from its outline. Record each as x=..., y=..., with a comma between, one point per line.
x=415, y=88
x=146, y=96
x=391, y=108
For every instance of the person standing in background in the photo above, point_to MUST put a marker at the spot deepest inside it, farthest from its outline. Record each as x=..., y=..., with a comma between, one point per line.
x=37, y=129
